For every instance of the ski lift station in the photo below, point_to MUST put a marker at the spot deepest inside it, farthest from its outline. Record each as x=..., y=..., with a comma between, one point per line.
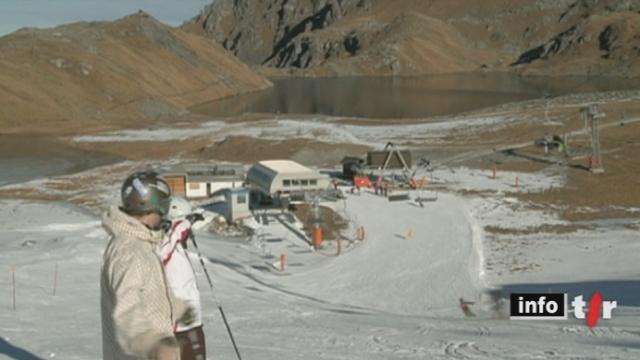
x=199, y=181
x=275, y=178
x=236, y=203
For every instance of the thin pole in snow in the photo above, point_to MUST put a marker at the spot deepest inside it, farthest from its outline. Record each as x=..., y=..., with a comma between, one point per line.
x=55, y=279
x=283, y=262
x=215, y=298
x=13, y=286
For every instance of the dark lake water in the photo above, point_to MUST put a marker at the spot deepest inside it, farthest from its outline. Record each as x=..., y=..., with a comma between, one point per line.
x=404, y=97
x=24, y=158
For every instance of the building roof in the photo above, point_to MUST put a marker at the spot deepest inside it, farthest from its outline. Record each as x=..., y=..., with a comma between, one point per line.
x=268, y=176
x=285, y=166
x=238, y=190
x=204, y=172
x=352, y=159
x=214, y=178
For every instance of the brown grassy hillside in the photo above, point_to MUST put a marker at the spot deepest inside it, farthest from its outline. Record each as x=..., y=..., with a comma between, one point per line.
x=408, y=37
x=111, y=74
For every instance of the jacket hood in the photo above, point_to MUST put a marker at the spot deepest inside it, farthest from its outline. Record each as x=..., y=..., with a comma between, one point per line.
x=117, y=223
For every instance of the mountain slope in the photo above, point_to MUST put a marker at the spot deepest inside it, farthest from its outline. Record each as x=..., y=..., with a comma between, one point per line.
x=111, y=73
x=596, y=44
x=409, y=37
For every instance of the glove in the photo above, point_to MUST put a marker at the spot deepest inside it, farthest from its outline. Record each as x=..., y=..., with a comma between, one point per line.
x=194, y=218
x=166, y=349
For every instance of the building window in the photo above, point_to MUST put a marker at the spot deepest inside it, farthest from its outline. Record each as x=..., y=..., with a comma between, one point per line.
x=295, y=182
x=242, y=199
x=194, y=186
x=305, y=182
x=313, y=182
x=286, y=183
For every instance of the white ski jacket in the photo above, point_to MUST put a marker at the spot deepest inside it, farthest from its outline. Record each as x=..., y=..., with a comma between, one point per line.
x=138, y=309
x=179, y=270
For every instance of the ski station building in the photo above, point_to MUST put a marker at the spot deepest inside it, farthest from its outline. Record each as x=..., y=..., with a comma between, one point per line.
x=275, y=178
x=203, y=180
x=235, y=203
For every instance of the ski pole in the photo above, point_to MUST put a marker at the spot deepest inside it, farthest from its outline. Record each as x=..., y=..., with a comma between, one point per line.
x=215, y=298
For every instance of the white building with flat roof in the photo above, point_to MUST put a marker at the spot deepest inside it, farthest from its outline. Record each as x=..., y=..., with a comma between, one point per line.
x=276, y=177
x=196, y=181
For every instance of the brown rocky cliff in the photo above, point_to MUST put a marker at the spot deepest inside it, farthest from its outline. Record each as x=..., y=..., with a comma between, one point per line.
x=602, y=38
x=337, y=37
x=409, y=37
x=118, y=72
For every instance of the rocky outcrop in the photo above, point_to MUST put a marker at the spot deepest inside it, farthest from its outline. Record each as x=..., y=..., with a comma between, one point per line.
x=610, y=37
x=355, y=37
x=274, y=32
x=603, y=40
x=568, y=39
x=331, y=37
x=582, y=9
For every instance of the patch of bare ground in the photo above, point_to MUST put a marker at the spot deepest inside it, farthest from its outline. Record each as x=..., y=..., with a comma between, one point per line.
x=541, y=229
x=146, y=150
x=604, y=194
x=521, y=166
x=248, y=150
x=91, y=189
x=523, y=268
x=29, y=194
x=585, y=196
x=508, y=254
x=581, y=215
x=332, y=224
x=464, y=192
x=243, y=149
x=533, y=119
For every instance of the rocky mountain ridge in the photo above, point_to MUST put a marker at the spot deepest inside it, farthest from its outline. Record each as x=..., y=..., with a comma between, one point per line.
x=411, y=37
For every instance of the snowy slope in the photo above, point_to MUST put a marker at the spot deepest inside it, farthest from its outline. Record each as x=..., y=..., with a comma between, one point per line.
x=414, y=261
x=385, y=298
x=321, y=128
x=34, y=239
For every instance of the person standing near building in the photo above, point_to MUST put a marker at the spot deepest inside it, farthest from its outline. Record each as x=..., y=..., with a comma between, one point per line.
x=181, y=277
x=138, y=308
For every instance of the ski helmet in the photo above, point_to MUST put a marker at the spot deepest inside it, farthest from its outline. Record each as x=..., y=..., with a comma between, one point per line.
x=145, y=192
x=179, y=207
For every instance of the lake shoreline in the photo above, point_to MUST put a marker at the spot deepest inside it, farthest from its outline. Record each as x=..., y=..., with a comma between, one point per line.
x=26, y=157
x=408, y=97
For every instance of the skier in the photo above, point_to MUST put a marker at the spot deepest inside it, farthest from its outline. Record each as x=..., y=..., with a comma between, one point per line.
x=378, y=188
x=138, y=311
x=181, y=277
x=465, y=306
